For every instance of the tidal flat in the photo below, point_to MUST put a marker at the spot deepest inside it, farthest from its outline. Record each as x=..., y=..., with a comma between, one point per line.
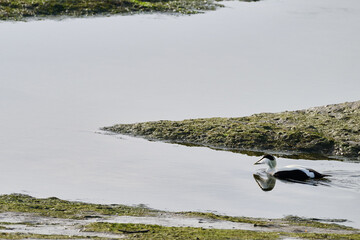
x=23, y=216
x=25, y=9
x=326, y=131
x=63, y=151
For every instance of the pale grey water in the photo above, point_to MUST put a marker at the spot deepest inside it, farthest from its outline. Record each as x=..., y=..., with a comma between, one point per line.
x=62, y=80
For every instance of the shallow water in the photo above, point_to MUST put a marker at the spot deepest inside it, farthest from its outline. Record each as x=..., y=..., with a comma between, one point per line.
x=62, y=80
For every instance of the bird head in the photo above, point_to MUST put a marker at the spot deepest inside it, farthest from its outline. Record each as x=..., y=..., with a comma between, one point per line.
x=267, y=159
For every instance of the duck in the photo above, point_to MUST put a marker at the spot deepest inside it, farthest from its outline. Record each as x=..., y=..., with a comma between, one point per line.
x=291, y=172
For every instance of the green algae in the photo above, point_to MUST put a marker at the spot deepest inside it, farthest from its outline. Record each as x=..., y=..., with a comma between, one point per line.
x=288, y=220
x=25, y=9
x=329, y=131
x=142, y=231
x=35, y=236
x=298, y=221
x=333, y=236
x=16, y=10
x=209, y=215
x=54, y=207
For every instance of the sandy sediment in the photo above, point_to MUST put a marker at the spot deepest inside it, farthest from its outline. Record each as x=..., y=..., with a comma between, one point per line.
x=23, y=216
x=30, y=223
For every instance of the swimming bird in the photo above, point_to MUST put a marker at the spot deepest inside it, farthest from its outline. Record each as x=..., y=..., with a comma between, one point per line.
x=291, y=172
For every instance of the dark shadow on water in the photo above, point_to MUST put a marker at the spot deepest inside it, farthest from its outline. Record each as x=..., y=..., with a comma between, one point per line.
x=249, y=152
x=267, y=182
x=343, y=179
x=258, y=153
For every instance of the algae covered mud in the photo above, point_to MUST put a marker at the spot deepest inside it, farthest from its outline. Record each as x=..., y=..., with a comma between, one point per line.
x=22, y=216
x=62, y=80
x=23, y=9
x=332, y=131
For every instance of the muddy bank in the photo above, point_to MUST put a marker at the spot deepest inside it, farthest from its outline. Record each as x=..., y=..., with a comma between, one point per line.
x=39, y=9
x=22, y=9
x=22, y=216
x=327, y=131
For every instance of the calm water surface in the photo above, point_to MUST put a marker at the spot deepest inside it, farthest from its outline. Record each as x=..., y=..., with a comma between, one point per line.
x=62, y=80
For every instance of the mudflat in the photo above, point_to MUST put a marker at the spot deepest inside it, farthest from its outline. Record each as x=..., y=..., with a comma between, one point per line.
x=22, y=216
x=326, y=131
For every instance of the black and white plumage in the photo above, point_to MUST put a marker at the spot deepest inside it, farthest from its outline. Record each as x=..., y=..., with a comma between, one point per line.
x=291, y=172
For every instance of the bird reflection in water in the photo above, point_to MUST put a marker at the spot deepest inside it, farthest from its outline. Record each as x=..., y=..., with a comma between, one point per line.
x=267, y=182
